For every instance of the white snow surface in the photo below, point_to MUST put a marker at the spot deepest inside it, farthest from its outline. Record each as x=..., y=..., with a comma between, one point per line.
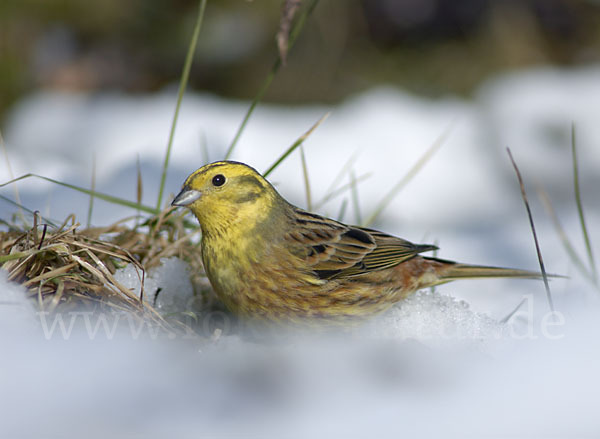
x=171, y=279
x=16, y=310
x=439, y=364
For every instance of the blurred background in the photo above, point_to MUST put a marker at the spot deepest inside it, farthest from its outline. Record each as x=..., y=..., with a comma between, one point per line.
x=430, y=47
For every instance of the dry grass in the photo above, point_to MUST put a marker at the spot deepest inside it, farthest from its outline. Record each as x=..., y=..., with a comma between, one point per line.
x=72, y=268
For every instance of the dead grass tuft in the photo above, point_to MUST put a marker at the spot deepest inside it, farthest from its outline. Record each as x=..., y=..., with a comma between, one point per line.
x=72, y=268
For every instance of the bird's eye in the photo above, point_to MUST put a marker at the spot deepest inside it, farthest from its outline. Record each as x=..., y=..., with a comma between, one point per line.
x=218, y=180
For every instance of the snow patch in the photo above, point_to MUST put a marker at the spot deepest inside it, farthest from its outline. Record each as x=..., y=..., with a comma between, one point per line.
x=168, y=287
x=430, y=315
x=437, y=320
x=16, y=309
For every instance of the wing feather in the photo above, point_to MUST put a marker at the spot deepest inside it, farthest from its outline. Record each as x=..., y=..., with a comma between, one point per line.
x=334, y=250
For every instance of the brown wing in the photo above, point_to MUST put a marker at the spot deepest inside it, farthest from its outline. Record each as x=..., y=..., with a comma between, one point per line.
x=334, y=250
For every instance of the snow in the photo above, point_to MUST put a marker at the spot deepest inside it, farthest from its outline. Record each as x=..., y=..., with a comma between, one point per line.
x=171, y=279
x=359, y=385
x=436, y=364
x=433, y=317
x=16, y=310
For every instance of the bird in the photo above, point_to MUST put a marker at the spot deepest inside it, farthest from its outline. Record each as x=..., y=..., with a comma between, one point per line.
x=270, y=261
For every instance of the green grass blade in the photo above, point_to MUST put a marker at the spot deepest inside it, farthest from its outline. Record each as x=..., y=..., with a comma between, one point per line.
x=564, y=239
x=533, y=232
x=338, y=179
x=182, y=85
x=269, y=79
x=12, y=256
x=295, y=145
x=93, y=188
x=306, y=180
x=29, y=211
x=506, y=319
x=408, y=177
x=341, y=190
x=10, y=173
x=355, y=202
x=109, y=198
x=261, y=92
x=204, y=149
x=139, y=186
x=342, y=212
x=584, y=229
x=343, y=171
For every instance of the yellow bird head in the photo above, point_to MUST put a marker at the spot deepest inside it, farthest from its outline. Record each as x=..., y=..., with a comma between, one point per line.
x=225, y=195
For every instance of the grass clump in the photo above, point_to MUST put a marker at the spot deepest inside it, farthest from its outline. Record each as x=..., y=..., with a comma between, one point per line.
x=72, y=268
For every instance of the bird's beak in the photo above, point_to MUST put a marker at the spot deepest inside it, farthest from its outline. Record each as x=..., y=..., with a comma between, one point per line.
x=186, y=197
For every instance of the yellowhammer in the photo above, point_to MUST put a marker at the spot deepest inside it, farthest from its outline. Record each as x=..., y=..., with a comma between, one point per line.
x=270, y=260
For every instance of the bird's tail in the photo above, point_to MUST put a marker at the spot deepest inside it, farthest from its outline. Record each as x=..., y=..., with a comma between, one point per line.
x=449, y=271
